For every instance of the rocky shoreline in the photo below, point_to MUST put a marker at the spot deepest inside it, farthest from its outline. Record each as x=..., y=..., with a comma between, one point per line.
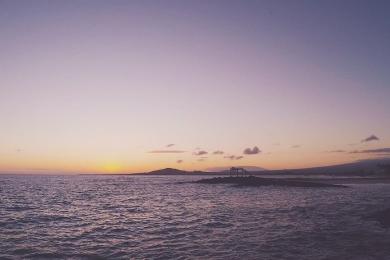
x=252, y=181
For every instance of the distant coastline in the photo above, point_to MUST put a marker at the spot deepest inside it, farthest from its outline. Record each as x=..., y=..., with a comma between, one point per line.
x=366, y=168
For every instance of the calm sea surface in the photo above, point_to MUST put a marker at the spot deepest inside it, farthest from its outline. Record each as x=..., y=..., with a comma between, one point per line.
x=140, y=217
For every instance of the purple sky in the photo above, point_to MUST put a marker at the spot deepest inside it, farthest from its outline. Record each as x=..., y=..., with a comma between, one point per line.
x=107, y=86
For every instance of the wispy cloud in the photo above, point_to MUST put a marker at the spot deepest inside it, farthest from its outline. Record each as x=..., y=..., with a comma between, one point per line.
x=169, y=145
x=218, y=152
x=167, y=151
x=296, y=146
x=233, y=157
x=201, y=152
x=179, y=161
x=380, y=150
x=254, y=150
x=370, y=138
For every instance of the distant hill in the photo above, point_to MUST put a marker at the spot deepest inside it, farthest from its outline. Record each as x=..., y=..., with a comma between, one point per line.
x=227, y=168
x=211, y=171
x=167, y=171
x=358, y=168
x=173, y=171
x=363, y=167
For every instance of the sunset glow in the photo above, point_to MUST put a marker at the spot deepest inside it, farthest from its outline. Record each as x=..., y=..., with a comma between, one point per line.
x=132, y=86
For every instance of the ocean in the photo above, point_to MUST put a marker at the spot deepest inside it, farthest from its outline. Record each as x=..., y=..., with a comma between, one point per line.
x=164, y=217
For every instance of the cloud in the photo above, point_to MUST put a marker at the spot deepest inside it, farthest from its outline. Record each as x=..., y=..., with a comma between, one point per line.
x=296, y=146
x=370, y=138
x=380, y=150
x=166, y=151
x=218, y=152
x=202, y=159
x=336, y=151
x=179, y=161
x=169, y=145
x=233, y=157
x=198, y=153
x=254, y=150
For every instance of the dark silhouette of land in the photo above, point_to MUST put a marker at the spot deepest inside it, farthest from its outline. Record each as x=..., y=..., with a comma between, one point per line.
x=253, y=181
x=377, y=167
x=365, y=171
x=364, y=168
x=172, y=171
x=167, y=171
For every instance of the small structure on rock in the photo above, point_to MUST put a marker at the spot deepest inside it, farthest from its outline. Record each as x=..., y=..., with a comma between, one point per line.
x=238, y=172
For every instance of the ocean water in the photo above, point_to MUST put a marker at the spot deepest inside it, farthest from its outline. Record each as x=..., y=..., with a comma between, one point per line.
x=153, y=217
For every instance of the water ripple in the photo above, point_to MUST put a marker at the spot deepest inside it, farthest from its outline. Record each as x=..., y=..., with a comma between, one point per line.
x=122, y=217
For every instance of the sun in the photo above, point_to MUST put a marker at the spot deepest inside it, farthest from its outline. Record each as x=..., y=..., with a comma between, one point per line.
x=112, y=167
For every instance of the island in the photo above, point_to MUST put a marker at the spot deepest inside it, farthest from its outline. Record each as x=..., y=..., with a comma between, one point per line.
x=253, y=181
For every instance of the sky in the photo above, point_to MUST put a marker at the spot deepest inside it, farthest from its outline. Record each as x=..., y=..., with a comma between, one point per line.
x=132, y=86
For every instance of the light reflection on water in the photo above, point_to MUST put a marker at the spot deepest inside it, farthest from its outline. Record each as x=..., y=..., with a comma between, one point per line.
x=155, y=217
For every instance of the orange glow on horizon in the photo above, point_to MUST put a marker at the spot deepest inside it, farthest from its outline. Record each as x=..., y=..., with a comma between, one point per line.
x=127, y=165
